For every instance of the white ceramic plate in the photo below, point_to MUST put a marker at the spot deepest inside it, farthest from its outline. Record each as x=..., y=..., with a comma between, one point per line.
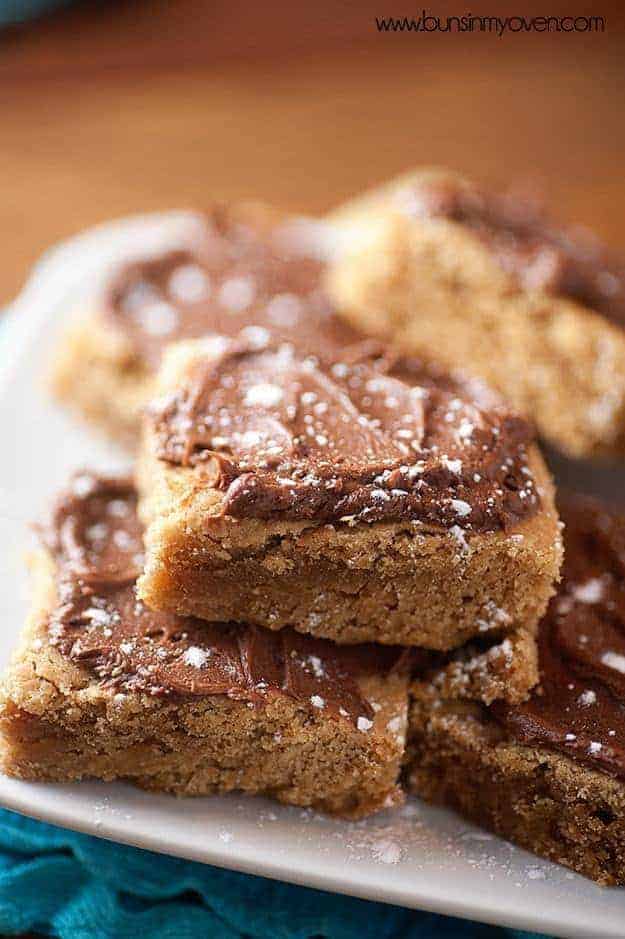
x=417, y=856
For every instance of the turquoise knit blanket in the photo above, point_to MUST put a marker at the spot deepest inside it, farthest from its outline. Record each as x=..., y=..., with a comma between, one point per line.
x=60, y=883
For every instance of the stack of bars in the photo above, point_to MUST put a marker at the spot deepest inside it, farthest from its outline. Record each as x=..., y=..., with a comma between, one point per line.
x=335, y=576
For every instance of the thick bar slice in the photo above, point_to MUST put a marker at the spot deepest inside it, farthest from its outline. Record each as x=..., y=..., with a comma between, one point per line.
x=487, y=283
x=101, y=687
x=548, y=773
x=353, y=495
x=237, y=266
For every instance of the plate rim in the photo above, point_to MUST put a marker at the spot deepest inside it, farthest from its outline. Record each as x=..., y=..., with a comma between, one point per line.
x=227, y=859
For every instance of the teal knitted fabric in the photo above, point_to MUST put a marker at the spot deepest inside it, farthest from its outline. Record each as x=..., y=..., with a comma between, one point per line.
x=61, y=883
x=16, y=11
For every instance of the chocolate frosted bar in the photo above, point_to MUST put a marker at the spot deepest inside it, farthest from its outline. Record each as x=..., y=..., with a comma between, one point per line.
x=240, y=266
x=549, y=772
x=582, y=648
x=524, y=242
x=102, y=687
x=535, y=309
x=352, y=494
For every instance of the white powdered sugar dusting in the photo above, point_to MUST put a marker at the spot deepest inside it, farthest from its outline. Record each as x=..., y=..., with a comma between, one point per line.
x=590, y=592
x=284, y=309
x=139, y=294
x=461, y=507
x=118, y=508
x=97, y=617
x=237, y=294
x=157, y=319
x=196, y=657
x=82, y=485
x=587, y=698
x=263, y=395
x=257, y=336
x=316, y=666
x=97, y=532
x=188, y=284
x=387, y=851
x=614, y=660
x=122, y=539
x=454, y=466
x=457, y=532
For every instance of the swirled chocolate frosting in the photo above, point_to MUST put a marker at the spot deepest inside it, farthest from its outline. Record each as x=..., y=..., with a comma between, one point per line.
x=579, y=707
x=96, y=542
x=352, y=433
x=538, y=254
x=299, y=416
x=238, y=275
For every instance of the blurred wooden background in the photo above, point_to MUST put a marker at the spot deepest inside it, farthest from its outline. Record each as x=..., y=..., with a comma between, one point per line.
x=115, y=107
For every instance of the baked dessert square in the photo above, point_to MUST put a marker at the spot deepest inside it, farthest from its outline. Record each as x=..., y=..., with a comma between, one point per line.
x=354, y=495
x=547, y=773
x=236, y=266
x=101, y=687
x=487, y=282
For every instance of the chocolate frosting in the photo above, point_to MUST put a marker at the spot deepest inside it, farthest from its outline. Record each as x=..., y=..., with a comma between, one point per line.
x=96, y=541
x=539, y=255
x=579, y=707
x=299, y=416
x=353, y=432
x=238, y=275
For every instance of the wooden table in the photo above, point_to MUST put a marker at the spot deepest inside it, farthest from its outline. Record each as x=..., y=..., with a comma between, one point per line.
x=121, y=107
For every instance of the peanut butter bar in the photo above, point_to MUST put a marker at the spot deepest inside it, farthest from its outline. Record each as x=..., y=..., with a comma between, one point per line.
x=351, y=494
x=243, y=266
x=486, y=282
x=101, y=687
x=548, y=773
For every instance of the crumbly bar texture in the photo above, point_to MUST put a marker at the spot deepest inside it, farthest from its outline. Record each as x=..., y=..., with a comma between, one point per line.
x=541, y=800
x=547, y=773
x=485, y=284
x=483, y=670
x=238, y=265
x=399, y=581
x=101, y=688
x=98, y=375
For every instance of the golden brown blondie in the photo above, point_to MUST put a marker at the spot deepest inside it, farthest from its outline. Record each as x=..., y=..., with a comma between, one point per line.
x=548, y=773
x=101, y=687
x=487, y=283
x=354, y=495
x=240, y=266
